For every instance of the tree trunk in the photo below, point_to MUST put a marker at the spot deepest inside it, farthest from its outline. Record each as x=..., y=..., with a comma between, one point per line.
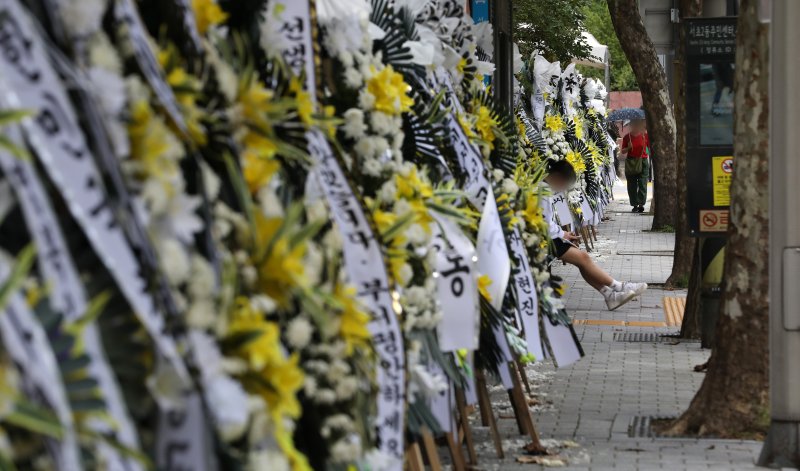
x=733, y=400
x=684, y=244
x=690, y=326
x=652, y=81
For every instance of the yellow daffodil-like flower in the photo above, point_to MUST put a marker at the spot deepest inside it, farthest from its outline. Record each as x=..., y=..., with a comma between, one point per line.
x=258, y=147
x=554, y=123
x=560, y=288
x=576, y=161
x=154, y=148
x=207, y=14
x=521, y=129
x=533, y=212
x=578, y=126
x=279, y=264
x=597, y=157
x=462, y=64
x=483, y=283
x=258, y=160
x=257, y=341
x=390, y=92
x=485, y=125
x=305, y=104
x=186, y=88
x=466, y=125
x=353, y=320
x=504, y=206
x=412, y=186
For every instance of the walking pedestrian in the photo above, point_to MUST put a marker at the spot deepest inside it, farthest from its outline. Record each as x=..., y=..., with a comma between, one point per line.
x=636, y=145
x=561, y=176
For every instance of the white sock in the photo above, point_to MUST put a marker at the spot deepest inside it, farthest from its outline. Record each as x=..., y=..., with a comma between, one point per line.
x=616, y=285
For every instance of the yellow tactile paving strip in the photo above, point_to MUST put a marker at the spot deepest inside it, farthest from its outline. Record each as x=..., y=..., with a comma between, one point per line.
x=673, y=316
x=618, y=323
x=673, y=310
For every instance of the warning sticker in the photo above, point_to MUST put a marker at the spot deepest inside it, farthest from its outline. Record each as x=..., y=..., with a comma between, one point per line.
x=715, y=220
x=722, y=171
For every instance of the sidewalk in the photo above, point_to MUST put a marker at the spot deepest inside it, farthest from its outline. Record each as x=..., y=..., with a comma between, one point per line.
x=595, y=413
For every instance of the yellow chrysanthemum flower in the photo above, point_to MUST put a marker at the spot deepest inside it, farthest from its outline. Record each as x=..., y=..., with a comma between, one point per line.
x=533, y=212
x=154, y=148
x=305, y=104
x=466, y=125
x=353, y=321
x=280, y=266
x=390, y=92
x=485, y=125
x=554, y=123
x=576, y=161
x=483, y=283
x=207, y=14
x=578, y=126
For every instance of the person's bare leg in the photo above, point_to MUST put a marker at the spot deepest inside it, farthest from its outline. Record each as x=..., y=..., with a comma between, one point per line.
x=590, y=271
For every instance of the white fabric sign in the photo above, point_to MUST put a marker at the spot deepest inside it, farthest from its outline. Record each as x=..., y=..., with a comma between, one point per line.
x=26, y=342
x=125, y=12
x=363, y=257
x=68, y=297
x=562, y=210
x=54, y=134
x=456, y=286
x=366, y=270
x=563, y=344
x=493, y=259
x=527, y=301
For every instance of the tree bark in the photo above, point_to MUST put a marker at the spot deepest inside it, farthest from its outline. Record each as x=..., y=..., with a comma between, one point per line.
x=641, y=53
x=733, y=400
x=690, y=326
x=685, y=245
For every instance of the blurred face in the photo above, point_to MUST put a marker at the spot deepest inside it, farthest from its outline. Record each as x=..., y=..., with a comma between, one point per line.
x=558, y=183
x=637, y=126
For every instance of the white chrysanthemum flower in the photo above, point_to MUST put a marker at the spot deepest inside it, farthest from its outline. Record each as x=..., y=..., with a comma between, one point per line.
x=82, y=17
x=346, y=388
x=173, y=259
x=310, y=386
x=299, y=332
x=382, y=123
x=345, y=451
x=354, y=126
x=510, y=187
x=201, y=314
x=325, y=396
x=372, y=167
x=269, y=203
x=273, y=460
x=366, y=100
x=387, y=192
x=264, y=303
x=353, y=78
x=417, y=235
x=497, y=175
x=405, y=275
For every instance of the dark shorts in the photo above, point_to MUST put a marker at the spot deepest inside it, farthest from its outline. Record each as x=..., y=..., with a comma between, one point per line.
x=561, y=246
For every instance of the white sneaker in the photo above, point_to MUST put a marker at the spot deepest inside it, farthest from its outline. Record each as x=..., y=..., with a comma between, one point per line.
x=615, y=299
x=637, y=288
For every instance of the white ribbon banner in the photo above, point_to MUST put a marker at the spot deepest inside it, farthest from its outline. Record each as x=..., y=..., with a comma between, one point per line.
x=68, y=297
x=527, y=301
x=26, y=342
x=456, y=286
x=363, y=257
x=125, y=13
x=58, y=141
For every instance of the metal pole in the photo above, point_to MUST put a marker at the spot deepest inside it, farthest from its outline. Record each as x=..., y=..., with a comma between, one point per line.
x=782, y=447
x=501, y=17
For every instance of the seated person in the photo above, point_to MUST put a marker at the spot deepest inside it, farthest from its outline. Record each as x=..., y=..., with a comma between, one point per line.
x=560, y=177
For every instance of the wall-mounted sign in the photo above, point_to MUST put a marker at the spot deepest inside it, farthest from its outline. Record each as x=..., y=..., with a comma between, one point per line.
x=710, y=60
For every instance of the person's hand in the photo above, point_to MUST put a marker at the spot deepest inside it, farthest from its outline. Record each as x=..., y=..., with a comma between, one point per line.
x=573, y=238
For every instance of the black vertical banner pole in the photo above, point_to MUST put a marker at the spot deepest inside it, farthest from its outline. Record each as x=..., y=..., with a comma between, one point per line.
x=501, y=18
